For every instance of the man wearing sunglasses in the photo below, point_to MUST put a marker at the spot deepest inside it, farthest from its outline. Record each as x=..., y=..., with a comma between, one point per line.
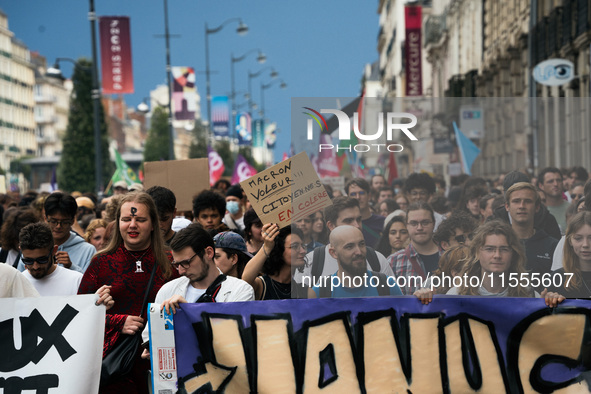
x=73, y=252
x=457, y=229
x=50, y=279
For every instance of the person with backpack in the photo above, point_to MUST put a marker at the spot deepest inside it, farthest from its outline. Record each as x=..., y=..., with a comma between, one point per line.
x=353, y=279
x=343, y=211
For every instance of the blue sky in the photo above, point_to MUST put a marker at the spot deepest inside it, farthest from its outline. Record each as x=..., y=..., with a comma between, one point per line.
x=319, y=48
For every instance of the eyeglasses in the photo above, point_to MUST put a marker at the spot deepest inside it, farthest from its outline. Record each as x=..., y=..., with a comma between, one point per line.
x=40, y=260
x=56, y=223
x=416, y=193
x=357, y=194
x=463, y=237
x=423, y=223
x=575, y=196
x=493, y=249
x=297, y=246
x=183, y=263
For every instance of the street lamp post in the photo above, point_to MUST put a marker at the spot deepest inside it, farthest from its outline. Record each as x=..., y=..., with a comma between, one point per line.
x=96, y=101
x=169, y=82
x=241, y=30
x=274, y=74
x=261, y=58
x=283, y=85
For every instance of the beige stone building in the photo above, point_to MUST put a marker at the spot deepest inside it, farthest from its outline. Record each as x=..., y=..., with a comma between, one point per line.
x=17, y=80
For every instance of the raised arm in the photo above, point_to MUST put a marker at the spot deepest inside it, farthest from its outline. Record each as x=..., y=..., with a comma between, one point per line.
x=255, y=265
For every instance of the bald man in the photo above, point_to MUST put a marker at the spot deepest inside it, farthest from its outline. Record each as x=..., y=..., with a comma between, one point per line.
x=353, y=279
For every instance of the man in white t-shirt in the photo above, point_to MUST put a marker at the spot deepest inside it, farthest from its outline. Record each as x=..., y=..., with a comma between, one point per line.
x=37, y=251
x=201, y=280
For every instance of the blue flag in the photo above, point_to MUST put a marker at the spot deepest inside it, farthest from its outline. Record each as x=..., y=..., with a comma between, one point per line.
x=468, y=151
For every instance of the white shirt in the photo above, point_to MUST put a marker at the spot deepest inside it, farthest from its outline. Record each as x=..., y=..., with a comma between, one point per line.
x=14, y=284
x=61, y=282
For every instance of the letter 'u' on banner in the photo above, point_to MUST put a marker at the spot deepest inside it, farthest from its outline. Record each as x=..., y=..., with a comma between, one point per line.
x=51, y=344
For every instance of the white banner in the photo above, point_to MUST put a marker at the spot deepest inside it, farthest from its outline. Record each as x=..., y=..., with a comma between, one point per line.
x=51, y=344
x=162, y=350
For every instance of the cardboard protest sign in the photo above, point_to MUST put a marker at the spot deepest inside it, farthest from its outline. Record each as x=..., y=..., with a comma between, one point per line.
x=286, y=192
x=185, y=178
x=162, y=350
x=51, y=344
x=389, y=344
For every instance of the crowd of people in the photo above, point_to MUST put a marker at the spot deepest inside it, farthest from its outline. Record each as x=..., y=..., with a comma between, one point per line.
x=514, y=236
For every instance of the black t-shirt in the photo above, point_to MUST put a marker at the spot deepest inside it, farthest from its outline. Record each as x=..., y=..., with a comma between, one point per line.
x=431, y=261
x=583, y=291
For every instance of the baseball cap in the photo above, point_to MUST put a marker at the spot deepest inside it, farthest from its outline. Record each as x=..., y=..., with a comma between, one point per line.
x=136, y=187
x=85, y=202
x=121, y=184
x=231, y=240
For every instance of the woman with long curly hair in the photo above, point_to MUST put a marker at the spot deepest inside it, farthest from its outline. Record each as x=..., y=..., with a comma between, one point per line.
x=577, y=257
x=135, y=249
x=282, y=252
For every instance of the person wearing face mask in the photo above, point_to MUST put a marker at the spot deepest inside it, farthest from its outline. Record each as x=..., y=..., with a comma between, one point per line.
x=234, y=218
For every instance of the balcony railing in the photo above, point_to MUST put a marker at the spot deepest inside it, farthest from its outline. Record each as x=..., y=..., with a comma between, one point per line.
x=435, y=25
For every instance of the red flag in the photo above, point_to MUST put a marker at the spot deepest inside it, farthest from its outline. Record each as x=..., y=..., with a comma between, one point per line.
x=216, y=165
x=242, y=170
x=115, y=54
x=285, y=156
x=392, y=169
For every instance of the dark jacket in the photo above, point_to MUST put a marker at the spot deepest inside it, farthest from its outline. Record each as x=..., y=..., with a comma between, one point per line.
x=539, y=250
x=543, y=220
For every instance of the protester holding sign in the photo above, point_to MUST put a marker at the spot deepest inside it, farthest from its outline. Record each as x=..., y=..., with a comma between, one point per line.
x=282, y=251
x=136, y=248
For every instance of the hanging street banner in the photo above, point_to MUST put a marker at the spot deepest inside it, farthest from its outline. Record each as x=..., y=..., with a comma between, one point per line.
x=258, y=133
x=184, y=95
x=378, y=345
x=51, y=344
x=412, y=50
x=243, y=129
x=220, y=116
x=116, y=65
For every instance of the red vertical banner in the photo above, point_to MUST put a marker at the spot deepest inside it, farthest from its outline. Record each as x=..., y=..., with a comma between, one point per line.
x=117, y=74
x=412, y=49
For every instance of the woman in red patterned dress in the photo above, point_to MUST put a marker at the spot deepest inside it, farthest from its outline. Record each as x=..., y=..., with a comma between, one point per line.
x=135, y=249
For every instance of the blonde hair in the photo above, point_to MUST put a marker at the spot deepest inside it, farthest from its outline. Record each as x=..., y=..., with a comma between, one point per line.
x=570, y=260
x=453, y=259
x=523, y=186
x=156, y=240
x=473, y=268
x=92, y=226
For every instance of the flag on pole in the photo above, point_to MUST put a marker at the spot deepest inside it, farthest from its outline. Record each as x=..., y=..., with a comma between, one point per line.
x=468, y=151
x=392, y=169
x=242, y=170
x=53, y=182
x=123, y=172
x=216, y=165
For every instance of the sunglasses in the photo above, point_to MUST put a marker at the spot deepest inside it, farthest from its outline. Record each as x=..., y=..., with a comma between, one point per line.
x=40, y=260
x=463, y=237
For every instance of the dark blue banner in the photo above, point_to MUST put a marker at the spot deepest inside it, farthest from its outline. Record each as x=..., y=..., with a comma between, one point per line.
x=378, y=345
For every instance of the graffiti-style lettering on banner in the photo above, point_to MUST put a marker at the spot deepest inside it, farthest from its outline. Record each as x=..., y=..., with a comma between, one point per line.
x=378, y=345
x=51, y=344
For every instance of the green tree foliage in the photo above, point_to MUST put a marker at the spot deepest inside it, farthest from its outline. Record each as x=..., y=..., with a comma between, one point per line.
x=246, y=152
x=76, y=170
x=156, y=147
x=198, y=148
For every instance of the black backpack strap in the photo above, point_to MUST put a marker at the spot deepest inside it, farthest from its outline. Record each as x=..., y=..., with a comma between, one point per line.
x=383, y=289
x=4, y=255
x=18, y=258
x=213, y=289
x=325, y=291
x=318, y=257
x=372, y=259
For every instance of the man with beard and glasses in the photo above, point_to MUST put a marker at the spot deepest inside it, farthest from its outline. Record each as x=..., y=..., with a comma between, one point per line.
x=353, y=279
